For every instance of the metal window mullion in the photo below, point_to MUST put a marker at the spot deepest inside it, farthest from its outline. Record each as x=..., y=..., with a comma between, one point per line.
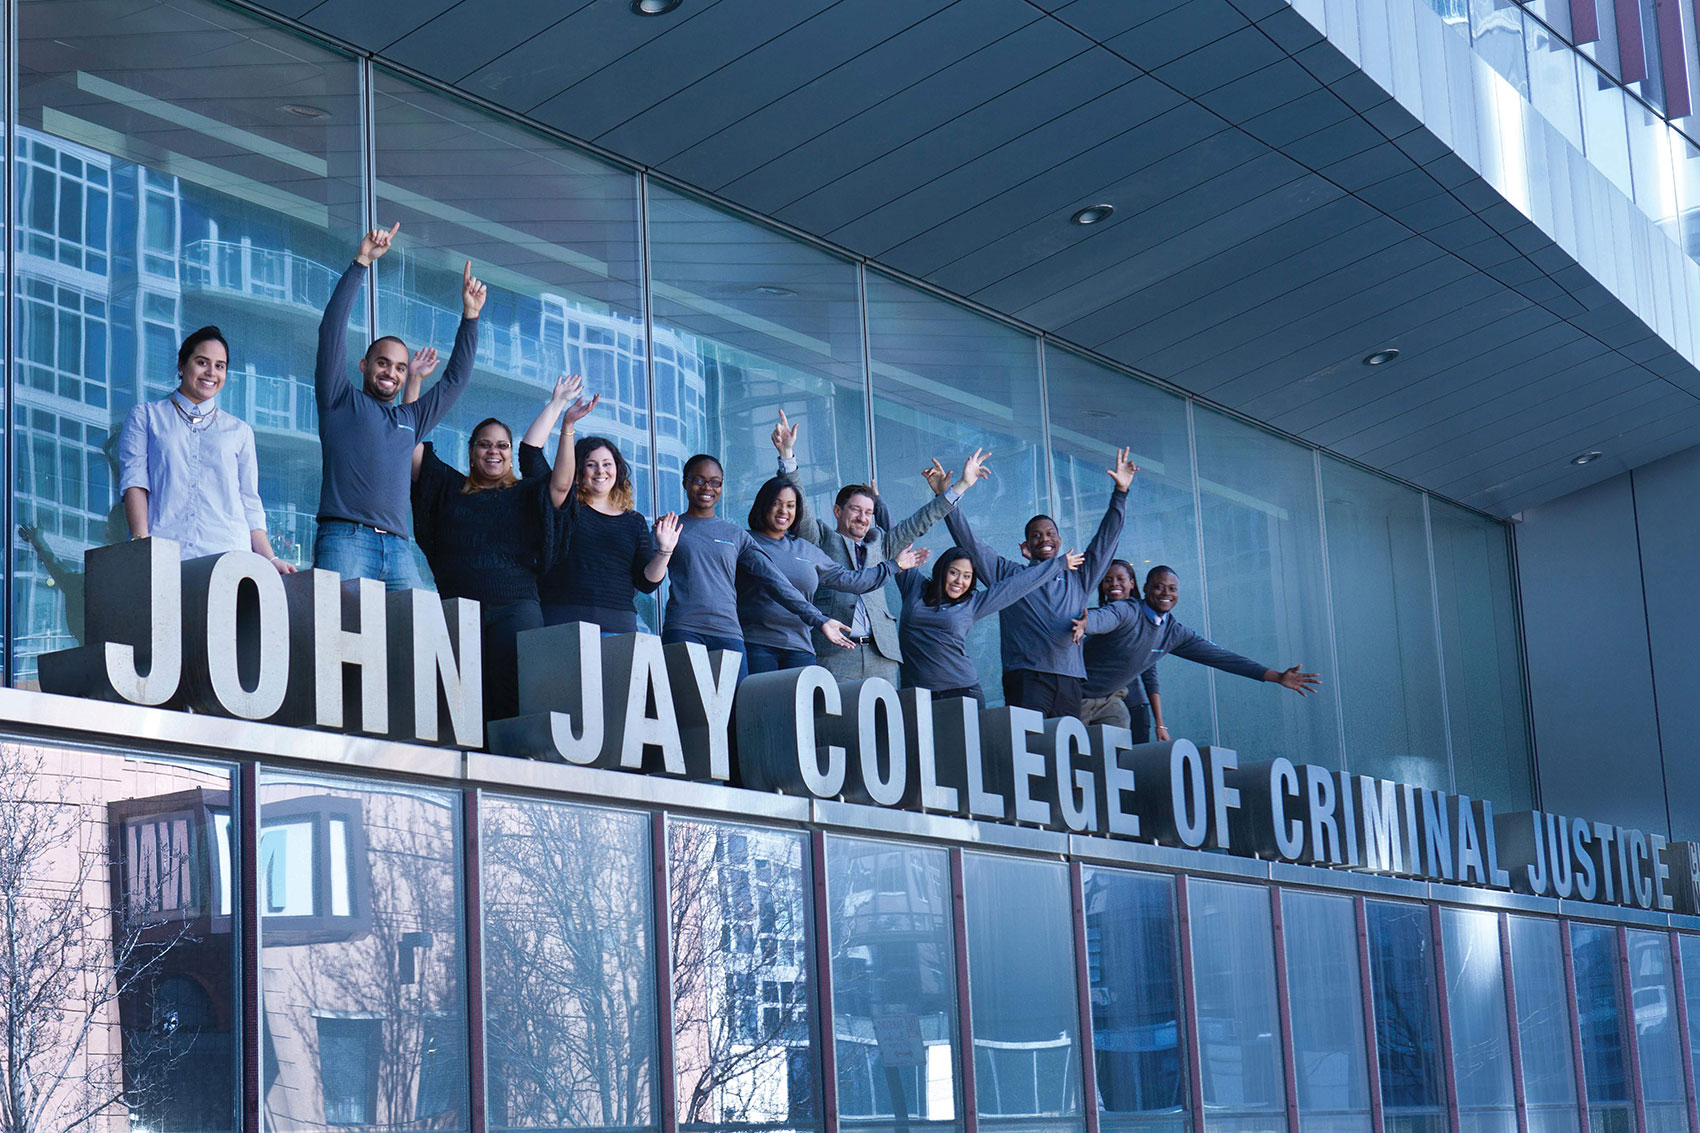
x=1284, y=1009
x=1189, y=1005
x=647, y=291
x=1333, y=629
x=1203, y=567
x=1680, y=992
x=828, y=1061
x=1575, y=1026
x=1513, y=1032
x=472, y=892
x=369, y=190
x=666, y=1074
x=1083, y=996
x=1631, y=1040
x=867, y=369
x=964, y=1004
x=8, y=341
x=1439, y=645
x=1443, y=999
x=247, y=906
x=1050, y=470
x=1372, y=1049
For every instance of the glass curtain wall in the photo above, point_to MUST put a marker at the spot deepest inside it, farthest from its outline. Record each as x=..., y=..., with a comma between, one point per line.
x=149, y=205
x=1325, y=993
x=1543, y=1025
x=1475, y=1000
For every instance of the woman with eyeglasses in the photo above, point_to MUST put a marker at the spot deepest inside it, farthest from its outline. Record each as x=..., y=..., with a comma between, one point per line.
x=611, y=555
x=711, y=558
x=487, y=534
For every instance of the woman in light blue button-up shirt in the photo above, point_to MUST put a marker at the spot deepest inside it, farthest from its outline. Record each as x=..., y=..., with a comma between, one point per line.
x=187, y=470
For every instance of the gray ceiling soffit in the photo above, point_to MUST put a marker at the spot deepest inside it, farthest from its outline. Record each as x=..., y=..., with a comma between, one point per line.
x=1279, y=216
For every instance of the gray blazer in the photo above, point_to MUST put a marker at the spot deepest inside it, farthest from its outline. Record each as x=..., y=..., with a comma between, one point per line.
x=884, y=540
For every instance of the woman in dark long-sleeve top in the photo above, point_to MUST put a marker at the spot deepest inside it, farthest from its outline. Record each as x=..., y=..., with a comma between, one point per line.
x=610, y=554
x=938, y=612
x=774, y=637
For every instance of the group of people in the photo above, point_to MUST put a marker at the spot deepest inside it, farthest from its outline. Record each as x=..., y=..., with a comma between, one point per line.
x=540, y=539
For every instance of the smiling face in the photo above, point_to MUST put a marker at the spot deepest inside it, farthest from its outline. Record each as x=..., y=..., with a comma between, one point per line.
x=1118, y=583
x=783, y=512
x=599, y=472
x=492, y=453
x=1162, y=590
x=384, y=368
x=958, y=578
x=855, y=516
x=202, y=376
x=704, y=481
x=1043, y=539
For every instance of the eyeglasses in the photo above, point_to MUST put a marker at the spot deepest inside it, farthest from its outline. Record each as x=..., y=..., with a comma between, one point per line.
x=499, y=446
x=703, y=482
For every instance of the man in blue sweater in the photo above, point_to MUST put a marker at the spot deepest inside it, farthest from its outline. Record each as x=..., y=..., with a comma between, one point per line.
x=366, y=441
x=1125, y=639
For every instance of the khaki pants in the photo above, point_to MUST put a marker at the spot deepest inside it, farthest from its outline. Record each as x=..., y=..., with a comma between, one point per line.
x=1110, y=709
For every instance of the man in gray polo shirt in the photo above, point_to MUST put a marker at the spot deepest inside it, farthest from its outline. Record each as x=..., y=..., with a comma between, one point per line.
x=366, y=441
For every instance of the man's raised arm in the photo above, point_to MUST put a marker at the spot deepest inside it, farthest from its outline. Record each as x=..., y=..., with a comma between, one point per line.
x=1102, y=549
x=330, y=377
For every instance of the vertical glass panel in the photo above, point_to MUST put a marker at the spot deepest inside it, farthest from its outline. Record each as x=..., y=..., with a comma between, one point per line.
x=1552, y=79
x=121, y=978
x=1239, y=1034
x=1496, y=34
x=893, y=986
x=148, y=207
x=1138, y=1031
x=364, y=1011
x=1378, y=574
x=743, y=977
x=1481, y=1038
x=948, y=381
x=1484, y=668
x=1407, y=1018
x=1264, y=571
x=1685, y=163
x=569, y=982
x=1658, y=1040
x=1650, y=158
x=1327, y=1010
x=749, y=321
x=1022, y=993
x=1094, y=411
x=1691, y=994
x=1605, y=131
x=1599, y=1010
x=1543, y=1025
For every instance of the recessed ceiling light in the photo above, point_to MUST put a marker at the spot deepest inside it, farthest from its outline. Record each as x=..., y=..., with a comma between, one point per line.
x=1587, y=457
x=653, y=7
x=1381, y=357
x=302, y=110
x=770, y=289
x=1092, y=214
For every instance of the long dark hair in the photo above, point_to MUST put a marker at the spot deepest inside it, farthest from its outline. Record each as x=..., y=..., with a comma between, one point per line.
x=620, y=495
x=933, y=593
x=766, y=496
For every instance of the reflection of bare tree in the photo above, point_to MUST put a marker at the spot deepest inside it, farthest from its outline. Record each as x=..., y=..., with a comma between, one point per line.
x=67, y=959
x=740, y=975
x=568, y=966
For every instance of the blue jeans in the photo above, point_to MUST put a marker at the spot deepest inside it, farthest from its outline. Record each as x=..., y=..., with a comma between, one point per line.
x=771, y=659
x=357, y=551
x=712, y=642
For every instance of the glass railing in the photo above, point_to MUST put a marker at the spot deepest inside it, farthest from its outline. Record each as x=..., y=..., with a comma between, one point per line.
x=255, y=272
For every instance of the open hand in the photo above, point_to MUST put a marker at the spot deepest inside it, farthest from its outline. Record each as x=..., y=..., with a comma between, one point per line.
x=568, y=389
x=283, y=567
x=1079, y=625
x=423, y=364
x=838, y=633
x=1123, y=472
x=975, y=469
x=1162, y=733
x=375, y=243
x=785, y=437
x=667, y=530
x=911, y=557
x=580, y=409
x=1302, y=683
x=1073, y=559
x=938, y=477
x=472, y=293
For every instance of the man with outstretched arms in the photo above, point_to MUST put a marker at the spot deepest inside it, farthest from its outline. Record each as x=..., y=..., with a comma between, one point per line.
x=1042, y=664
x=366, y=441
x=862, y=535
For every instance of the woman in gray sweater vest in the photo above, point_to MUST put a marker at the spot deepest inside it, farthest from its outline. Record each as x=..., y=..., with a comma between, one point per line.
x=939, y=611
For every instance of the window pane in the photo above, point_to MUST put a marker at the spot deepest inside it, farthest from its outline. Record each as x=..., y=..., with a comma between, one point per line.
x=1407, y=1017
x=893, y=985
x=1138, y=1040
x=1691, y=994
x=755, y=322
x=1326, y=998
x=1484, y=668
x=948, y=381
x=1022, y=992
x=555, y=235
x=1378, y=574
x=1233, y=949
x=1658, y=1042
x=1543, y=1025
x=1599, y=1009
x=1264, y=572
x=1093, y=411
x=1481, y=1039
x=363, y=1011
x=569, y=989
x=250, y=171
x=743, y=976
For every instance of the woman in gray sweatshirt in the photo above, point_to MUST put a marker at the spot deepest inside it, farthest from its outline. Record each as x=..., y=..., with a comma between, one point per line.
x=938, y=612
x=774, y=637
